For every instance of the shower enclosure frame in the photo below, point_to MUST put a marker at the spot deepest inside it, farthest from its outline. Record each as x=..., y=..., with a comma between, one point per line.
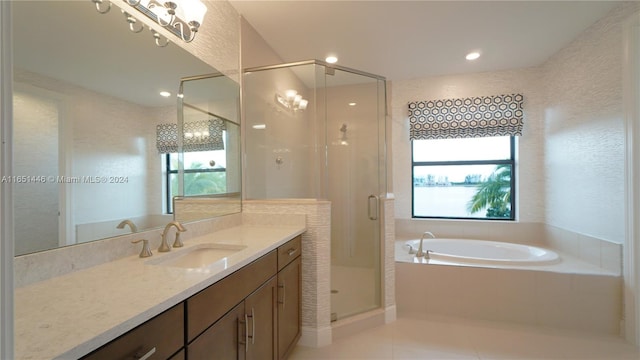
x=323, y=150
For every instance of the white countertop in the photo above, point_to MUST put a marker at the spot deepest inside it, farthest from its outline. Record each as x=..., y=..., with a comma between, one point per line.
x=68, y=316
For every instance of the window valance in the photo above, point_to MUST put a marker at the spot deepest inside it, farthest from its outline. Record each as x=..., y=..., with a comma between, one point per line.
x=203, y=135
x=497, y=115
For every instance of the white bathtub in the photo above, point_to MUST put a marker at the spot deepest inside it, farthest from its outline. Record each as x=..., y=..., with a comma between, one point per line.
x=467, y=251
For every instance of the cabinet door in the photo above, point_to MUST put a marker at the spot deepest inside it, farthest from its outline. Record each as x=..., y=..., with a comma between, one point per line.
x=260, y=308
x=222, y=340
x=289, y=320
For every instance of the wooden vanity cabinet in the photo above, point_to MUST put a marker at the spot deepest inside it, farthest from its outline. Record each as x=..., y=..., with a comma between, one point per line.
x=162, y=337
x=252, y=314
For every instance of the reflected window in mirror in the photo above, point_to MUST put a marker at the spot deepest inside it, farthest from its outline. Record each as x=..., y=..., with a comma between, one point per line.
x=205, y=173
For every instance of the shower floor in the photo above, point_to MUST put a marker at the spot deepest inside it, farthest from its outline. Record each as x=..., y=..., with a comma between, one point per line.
x=353, y=291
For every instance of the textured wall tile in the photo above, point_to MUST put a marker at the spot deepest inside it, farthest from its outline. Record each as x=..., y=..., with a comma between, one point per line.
x=316, y=254
x=584, y=131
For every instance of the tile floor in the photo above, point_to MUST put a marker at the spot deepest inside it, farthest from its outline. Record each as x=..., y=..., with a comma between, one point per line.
x=451, y=338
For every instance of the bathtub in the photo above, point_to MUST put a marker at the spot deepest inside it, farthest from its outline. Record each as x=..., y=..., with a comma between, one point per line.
x=498, y=281
x=483, y=252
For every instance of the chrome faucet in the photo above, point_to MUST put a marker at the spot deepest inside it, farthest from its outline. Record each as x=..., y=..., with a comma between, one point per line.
x=133, y=226
x=164, y=246
x=421, y=253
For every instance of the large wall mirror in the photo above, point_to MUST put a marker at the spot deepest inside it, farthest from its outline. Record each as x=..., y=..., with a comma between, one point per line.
x=88, y=118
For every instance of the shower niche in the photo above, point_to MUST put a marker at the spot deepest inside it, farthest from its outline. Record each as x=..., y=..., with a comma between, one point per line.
x=317, y=131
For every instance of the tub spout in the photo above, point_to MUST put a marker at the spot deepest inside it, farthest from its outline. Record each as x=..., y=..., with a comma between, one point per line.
x=420, y=252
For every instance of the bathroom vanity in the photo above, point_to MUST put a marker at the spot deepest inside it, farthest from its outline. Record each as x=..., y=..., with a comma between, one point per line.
x=244, y=306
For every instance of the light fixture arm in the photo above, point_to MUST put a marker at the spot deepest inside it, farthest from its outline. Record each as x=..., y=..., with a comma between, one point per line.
x=100, y=8
x=158, y=39
x=132, y=22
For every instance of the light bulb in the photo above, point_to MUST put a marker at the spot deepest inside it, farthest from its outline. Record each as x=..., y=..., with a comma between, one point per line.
x=290, y=94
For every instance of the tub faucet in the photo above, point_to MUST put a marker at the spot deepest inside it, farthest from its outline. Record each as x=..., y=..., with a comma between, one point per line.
x=164, y=246
x=133, y=226
x=420, y=252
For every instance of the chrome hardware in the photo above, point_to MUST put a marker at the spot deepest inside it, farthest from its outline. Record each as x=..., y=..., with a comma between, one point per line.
x=146, y=251
x=284, y=294
x=375, y=214
x=421, y=253
x=147, y=355
x=291, y=251
x=164, y=246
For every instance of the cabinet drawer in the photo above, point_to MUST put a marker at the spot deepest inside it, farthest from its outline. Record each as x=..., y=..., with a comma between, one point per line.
x=212, y=303
x=164, y=333
x=289, y=251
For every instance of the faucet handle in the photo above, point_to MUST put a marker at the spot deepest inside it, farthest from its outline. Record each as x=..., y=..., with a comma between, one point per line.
x=146, y=251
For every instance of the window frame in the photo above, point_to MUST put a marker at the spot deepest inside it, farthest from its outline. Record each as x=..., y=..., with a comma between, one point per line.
x=511, y=161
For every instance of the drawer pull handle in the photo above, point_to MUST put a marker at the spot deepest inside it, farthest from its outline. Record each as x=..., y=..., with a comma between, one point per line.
x=246, y=333
x=147, y=355
x=284, y=294
x=292, y=251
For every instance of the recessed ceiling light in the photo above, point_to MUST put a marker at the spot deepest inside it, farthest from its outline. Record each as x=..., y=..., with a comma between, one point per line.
x=473, y=55
x=165, y=93
x=331, y=59
x=352, y=104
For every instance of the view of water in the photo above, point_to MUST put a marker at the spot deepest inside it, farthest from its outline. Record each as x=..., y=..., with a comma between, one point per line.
x=444, y=201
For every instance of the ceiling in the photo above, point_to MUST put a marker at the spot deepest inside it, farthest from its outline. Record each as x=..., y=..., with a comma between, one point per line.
x=412, y=39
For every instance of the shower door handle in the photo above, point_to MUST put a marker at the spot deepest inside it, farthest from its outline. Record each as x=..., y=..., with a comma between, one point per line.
x=373, y=215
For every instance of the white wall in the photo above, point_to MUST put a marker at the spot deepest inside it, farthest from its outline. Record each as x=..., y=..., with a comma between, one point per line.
x=584, y=132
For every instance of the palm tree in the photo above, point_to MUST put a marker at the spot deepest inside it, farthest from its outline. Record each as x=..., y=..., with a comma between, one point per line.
x=494, y=194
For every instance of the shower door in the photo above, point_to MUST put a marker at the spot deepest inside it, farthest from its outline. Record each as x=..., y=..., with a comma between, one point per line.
x=354, y=137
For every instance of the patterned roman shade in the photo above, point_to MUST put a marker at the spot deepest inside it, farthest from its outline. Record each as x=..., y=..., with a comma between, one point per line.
x=198, y=136
x=483, y=116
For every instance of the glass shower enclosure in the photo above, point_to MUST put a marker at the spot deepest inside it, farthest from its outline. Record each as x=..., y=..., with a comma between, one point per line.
x=316, y=130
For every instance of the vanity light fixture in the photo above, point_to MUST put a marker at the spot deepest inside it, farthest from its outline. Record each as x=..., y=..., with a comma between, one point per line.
x=183, y=18
x=165, y=93
x=292, y=100
x=259, y=126
x=352, y=104
x=472, y=55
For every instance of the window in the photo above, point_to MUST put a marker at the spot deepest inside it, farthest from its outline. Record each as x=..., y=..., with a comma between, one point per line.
x=204, y=174
x=470, y=178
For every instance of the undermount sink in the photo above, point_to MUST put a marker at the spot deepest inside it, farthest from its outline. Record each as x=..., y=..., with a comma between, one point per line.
x=199, y=256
